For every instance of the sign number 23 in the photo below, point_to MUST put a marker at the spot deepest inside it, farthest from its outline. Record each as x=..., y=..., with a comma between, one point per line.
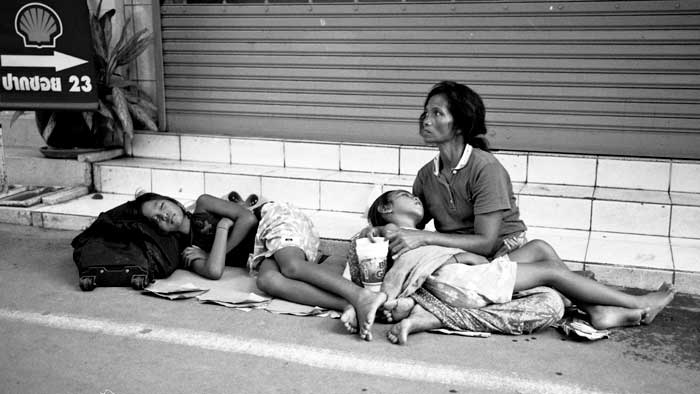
x=80, y=84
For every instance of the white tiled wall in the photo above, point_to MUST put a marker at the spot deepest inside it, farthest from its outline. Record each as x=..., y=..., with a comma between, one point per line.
x=686, y=254
x=515, y=164
x=631, y=217
x=123, y=180
x=196, y=148
x=157, y=146
x=312, y=155
x=567, y=213
x=412, y=159
x=685, y=222
x=631, y=250
x=258, y=152
x=347, y=197
x=178, y=184
x=300, y=192
x=563, y=170
x=634, y=174
x=220, y=185
x=685, y=177
x=369, y=158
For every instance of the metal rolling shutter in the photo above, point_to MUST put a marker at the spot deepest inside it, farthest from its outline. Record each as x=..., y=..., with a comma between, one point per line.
x=598, y=77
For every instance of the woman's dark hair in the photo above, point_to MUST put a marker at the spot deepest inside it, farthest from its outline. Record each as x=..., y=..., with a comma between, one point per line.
x=146, y=197
x=375, y=216
x=467, y=110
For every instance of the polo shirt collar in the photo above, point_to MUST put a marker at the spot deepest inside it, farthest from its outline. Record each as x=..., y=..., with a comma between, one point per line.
x=461, y=164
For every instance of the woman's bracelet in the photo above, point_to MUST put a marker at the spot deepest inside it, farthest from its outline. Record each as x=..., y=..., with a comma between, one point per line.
x=222, y=228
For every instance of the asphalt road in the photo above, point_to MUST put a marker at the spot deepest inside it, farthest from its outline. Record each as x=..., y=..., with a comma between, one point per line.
x=54, y=338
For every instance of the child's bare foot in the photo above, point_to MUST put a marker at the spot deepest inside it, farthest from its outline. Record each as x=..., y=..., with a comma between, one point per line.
x=657, y=301
x=398, y=309
x=418, y=320
x=349, y=319
x=604, y=317
x=365, y=307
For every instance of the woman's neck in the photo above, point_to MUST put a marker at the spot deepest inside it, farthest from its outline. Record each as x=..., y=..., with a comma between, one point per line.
x=451, y=152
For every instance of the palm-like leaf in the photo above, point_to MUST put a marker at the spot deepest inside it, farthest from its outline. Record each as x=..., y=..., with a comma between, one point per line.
x=15, y=116
x=49, y=128
x=121, y=107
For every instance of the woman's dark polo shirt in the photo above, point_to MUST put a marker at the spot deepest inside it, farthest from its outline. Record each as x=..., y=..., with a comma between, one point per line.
x=479, y=187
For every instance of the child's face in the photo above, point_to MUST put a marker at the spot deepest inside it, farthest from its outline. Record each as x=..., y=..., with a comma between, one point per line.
x=164, y=213
x=405, y=203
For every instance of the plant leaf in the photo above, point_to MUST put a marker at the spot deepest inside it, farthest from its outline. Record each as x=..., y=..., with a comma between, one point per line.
x=144, y=102
x=119, y=81
x=122, y=110
x=97, y=38
x=15, y=116
x=103, y=110
x=106, y=24
x=133, y=47
x=49, y=128
x=87, y=116
x=142, y=116
x=117, y=48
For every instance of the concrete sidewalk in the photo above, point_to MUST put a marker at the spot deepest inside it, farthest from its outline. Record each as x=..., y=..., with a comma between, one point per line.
x=58, y=339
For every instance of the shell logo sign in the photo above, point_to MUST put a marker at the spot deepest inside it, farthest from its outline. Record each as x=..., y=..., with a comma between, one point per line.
x=43, y=65
x=38, y=25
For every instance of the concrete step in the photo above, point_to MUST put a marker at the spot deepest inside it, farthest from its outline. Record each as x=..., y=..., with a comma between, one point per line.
x=632, y=221
x=620, y=259
x=27, y=166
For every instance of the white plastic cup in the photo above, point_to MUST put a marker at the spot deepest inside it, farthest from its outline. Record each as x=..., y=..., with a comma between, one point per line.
x=371, y=257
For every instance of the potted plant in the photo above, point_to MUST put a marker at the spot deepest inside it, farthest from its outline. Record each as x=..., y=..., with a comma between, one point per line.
x=121, y=102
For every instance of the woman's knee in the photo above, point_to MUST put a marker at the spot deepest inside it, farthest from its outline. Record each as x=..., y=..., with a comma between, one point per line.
x=545, y=251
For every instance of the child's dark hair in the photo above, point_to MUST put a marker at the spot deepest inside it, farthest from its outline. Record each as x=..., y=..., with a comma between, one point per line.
x=374, y=214
x=146, y=197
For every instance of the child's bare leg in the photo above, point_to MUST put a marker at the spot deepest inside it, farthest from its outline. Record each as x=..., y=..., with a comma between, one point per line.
x=271, y=281
x=293, y=264
x=603, y=317
x=418, y=320
x=398, y=309
x=585, y=290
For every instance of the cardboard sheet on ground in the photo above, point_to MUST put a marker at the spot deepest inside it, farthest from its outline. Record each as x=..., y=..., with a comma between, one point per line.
x=235, y=289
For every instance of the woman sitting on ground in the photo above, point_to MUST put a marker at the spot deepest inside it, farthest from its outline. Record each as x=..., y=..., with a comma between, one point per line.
x=466, y=280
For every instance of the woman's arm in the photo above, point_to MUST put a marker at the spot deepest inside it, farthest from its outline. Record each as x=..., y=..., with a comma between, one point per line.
x=469, y=258
x=482, y=242
x=235, y=224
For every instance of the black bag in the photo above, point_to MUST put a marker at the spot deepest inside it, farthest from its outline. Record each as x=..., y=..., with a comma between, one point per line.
x=122, y=249
x=110, y=262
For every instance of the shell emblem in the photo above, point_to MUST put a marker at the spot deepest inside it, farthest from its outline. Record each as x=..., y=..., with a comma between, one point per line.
x=38, y=25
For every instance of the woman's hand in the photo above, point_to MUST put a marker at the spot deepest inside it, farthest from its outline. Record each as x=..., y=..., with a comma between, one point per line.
x=192, y=253
x=402, y=240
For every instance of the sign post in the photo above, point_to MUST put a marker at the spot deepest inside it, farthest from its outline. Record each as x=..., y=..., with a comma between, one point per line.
x=3, y=171
x=46, y=55
x=46, y=59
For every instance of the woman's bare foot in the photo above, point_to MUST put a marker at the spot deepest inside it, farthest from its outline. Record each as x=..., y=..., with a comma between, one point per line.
x=657, y=301
x=398, y=309
x=360, y=315
x=603, y=317
x=418, y=320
